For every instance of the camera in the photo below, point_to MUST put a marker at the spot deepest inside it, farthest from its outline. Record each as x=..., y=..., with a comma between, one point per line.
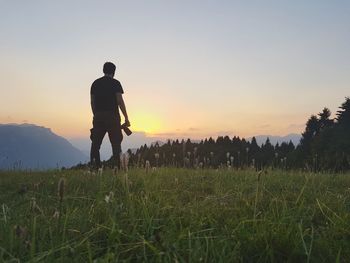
x=127, y=131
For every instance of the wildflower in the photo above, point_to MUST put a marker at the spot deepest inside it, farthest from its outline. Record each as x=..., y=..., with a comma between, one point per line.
x=56, y=215
x=100, y=171
x=228, y=155
x=147, y=166
x=110, y=196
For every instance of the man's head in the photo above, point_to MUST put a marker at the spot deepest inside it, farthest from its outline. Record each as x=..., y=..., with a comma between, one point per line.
x=109, y=69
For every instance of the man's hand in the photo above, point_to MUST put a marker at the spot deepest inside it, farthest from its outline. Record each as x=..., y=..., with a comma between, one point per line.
x=127, y=123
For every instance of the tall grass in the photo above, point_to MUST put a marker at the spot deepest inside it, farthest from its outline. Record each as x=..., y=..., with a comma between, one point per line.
x=175, y=215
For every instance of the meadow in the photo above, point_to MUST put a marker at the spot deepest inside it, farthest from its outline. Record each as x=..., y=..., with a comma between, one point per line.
x=174, y=215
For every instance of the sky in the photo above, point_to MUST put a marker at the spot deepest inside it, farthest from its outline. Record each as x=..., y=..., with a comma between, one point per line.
x=188, y=68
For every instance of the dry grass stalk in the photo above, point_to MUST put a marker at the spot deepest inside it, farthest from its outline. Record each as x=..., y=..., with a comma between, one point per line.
x=61, y=188
x=56, y=214
x=34, y=206
x=124, y=162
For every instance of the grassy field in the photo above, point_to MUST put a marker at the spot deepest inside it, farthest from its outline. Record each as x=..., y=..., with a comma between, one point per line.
x=174, y=215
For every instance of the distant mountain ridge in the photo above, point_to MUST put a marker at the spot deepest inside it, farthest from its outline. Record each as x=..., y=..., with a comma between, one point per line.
x=293, y=137
x=28, y=146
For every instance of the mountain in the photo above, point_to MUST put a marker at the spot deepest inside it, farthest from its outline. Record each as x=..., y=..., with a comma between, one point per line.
x=295, y=138
x=27, y=146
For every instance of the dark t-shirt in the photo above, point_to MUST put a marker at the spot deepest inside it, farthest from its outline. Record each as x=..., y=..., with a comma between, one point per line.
x=104, y=90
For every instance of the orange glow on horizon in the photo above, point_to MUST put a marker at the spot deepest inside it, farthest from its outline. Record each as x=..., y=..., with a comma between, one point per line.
x=144, y=122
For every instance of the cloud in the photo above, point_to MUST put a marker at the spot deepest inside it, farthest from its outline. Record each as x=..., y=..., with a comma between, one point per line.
x=193, y=129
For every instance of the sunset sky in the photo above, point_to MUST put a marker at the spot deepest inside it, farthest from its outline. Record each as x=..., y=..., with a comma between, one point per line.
x=188, y=68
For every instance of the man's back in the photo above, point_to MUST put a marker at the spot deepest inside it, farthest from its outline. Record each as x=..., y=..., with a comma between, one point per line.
x=104, y=90
x=106, y=100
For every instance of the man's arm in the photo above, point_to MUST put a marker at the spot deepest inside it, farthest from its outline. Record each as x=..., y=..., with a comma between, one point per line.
x=122, y=107
x=92, y=99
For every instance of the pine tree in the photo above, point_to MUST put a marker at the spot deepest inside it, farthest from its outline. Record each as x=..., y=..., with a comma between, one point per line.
x=324, y=119
x=343, y=115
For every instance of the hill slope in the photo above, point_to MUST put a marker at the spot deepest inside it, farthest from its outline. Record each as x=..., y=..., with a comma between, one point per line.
x=175, y=215
x=30, y=146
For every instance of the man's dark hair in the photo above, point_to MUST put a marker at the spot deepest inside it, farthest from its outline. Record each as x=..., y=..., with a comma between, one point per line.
x=108, y=68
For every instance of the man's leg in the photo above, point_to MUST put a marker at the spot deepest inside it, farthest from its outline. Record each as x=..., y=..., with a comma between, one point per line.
x=115, y=137
x=96, y=137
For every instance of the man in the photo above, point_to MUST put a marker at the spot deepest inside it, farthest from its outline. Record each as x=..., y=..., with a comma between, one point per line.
x=106, y=99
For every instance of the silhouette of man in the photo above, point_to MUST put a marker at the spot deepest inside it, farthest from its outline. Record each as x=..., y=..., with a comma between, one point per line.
x=106, y=99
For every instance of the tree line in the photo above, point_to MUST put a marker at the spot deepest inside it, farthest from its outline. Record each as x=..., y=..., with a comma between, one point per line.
x=325, y=145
